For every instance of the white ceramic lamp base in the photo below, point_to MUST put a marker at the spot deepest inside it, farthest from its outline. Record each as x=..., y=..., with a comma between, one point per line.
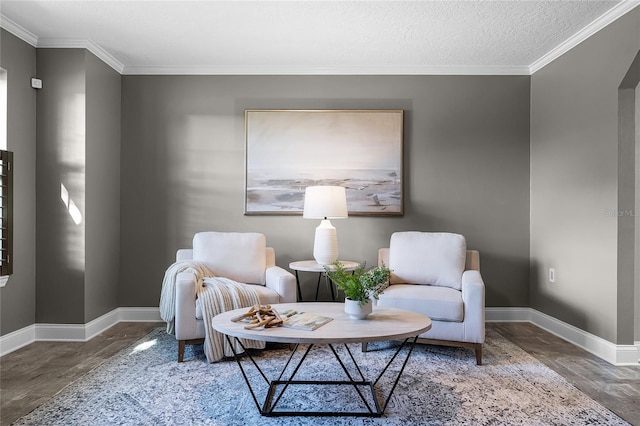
x=325, y=245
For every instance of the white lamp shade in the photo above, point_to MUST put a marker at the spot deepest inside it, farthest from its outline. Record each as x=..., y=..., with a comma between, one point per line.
x=325, y=202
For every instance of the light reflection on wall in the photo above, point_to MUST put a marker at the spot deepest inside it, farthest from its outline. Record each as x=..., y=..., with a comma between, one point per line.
x=73, y=210
x=71, y=164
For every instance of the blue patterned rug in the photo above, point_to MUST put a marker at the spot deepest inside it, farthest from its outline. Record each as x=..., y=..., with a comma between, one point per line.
x=144, y=385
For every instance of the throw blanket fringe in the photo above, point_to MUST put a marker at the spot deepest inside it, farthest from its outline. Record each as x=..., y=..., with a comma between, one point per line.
x=216, y=295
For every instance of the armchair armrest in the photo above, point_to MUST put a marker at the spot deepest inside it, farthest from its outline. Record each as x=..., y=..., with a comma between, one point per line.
x=473, y=299
x=282, y=282
x=383, y=256
x=185, y=319
x=184, y=254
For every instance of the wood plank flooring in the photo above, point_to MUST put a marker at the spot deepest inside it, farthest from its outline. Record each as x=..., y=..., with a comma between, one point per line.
x=33, y=374
x=617, y=388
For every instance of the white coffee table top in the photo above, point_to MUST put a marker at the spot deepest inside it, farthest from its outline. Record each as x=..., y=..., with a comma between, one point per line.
x=313, y=266
x=383, y=324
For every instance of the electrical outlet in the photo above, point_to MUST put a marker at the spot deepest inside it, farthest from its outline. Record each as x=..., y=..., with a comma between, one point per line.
x=552, y=275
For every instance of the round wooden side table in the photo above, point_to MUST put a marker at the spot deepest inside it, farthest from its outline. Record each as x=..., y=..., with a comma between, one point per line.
x=313, y=266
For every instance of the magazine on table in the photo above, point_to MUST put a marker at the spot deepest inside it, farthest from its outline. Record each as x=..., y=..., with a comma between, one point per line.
x=304, y=320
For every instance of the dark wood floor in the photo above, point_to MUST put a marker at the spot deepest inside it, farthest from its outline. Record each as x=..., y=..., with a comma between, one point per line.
x=617, y=388
x=31, y=375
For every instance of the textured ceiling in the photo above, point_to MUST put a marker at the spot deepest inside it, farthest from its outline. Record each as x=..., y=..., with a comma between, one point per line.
x=311, y=37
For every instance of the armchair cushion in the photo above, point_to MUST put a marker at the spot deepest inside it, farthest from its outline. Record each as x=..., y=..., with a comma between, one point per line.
x=438, y=303
x=431, y=258
x=239, y=256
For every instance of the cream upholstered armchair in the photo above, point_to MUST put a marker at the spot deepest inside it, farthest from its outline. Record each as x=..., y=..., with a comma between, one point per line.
x=242, y=257
x=434, y=274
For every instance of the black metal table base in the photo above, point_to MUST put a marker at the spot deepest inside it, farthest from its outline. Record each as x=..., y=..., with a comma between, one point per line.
x=273, y=397
x=328, y=281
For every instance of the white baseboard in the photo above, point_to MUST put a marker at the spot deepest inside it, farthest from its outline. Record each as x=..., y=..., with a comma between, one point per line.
x=17, y=339
x=610, y=352
x=75, y=332
x=507, y=314
x=618, y=355
x=139, y=315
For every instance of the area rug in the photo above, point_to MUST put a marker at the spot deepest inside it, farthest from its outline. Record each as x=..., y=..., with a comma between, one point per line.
x=144, y=385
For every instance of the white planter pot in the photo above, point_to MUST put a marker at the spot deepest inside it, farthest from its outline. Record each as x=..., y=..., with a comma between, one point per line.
x=357, y=311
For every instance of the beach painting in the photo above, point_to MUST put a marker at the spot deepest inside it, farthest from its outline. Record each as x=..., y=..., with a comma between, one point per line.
x=288, y=150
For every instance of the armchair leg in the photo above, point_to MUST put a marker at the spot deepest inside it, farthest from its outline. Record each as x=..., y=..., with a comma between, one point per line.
x=181, y=344
x=365, y=346
x=478, y=350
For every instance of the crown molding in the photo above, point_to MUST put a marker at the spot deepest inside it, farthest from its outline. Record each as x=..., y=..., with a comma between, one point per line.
x=18, y=31
x=105, y=56
x=90, y=45
x=319, y=70
x=96, y=49
x=33, y=40
x=613, y=14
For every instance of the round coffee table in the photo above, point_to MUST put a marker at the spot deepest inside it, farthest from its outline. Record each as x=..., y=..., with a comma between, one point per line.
x=383, y=324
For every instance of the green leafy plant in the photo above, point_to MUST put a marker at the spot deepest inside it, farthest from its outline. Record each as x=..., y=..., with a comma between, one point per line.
x=359, y=285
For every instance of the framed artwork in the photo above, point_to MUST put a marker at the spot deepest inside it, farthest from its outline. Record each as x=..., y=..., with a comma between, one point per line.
x=288, y=150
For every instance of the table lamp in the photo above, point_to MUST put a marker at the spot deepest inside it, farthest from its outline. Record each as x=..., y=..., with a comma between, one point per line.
x=325, y=202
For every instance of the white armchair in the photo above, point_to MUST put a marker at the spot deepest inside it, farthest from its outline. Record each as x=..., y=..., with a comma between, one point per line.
x=242, y=257
x=434, y=274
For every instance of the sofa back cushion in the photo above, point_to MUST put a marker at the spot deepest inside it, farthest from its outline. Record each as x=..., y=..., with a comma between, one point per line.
x=433, y=258
x=239, y=256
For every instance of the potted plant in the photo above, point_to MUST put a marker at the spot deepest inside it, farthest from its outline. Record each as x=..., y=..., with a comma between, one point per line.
x=359, y=286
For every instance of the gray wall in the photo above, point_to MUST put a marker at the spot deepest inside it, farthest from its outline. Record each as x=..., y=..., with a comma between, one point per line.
x=102, y=188
x=628, y=136
x=575, y=182
x=466, y=169
x=61, y=161
x=17, y=298
x=78, y=147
